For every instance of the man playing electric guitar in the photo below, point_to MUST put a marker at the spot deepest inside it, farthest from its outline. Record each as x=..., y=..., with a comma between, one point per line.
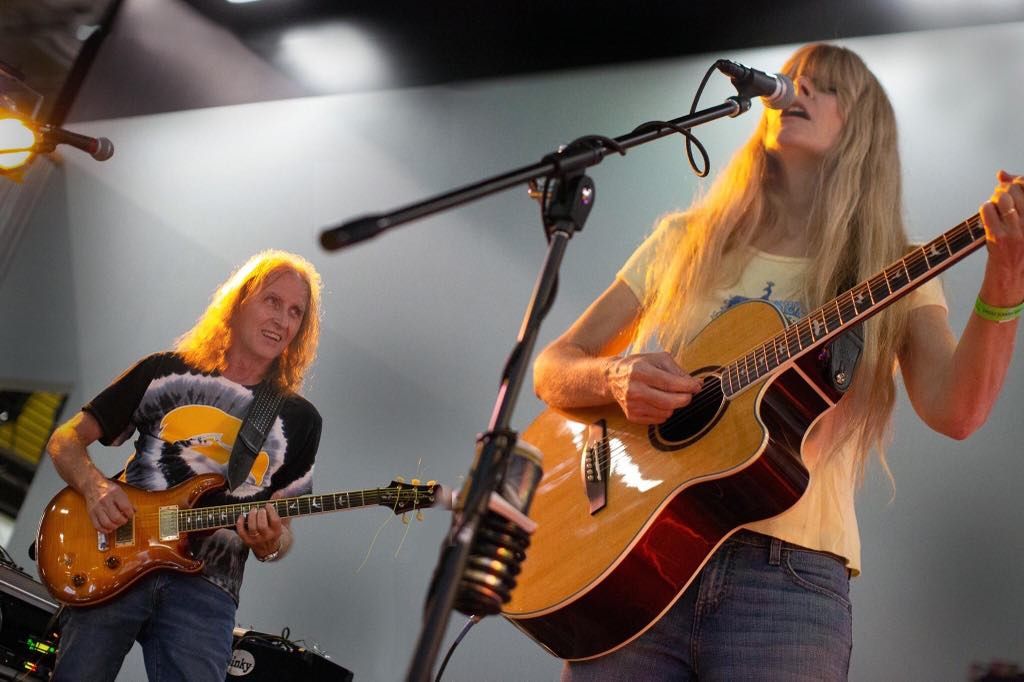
x=262, y=326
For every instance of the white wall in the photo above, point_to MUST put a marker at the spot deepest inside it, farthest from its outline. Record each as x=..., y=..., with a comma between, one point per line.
x=418, y=322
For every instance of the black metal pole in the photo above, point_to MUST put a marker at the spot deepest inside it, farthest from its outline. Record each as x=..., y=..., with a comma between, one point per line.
x=558, y=164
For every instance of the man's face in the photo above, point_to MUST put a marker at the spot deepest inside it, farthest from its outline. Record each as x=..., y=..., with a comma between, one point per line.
x=268, y=320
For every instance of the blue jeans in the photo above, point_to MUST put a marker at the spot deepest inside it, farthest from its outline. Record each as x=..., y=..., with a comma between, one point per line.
x=761, y=609
x=183, y=622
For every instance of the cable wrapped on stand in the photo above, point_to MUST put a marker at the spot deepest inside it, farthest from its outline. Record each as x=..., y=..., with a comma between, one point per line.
x=499, y=548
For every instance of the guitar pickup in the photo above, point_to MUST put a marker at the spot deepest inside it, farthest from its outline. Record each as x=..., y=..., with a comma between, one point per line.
x=596, y=466
x=125, y=535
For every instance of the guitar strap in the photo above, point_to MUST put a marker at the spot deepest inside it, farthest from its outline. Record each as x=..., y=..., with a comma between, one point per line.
x=266, y=404
x=844, y=354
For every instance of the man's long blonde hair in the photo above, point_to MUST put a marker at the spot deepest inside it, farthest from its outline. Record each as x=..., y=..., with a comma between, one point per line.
x=205, y=345
x=856, y=228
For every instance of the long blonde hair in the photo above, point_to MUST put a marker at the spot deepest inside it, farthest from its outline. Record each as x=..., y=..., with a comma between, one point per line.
x=857, y=214
x=205, y=345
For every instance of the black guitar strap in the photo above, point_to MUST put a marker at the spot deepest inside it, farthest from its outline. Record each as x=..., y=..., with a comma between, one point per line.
x=266, y=403
x=844, y=354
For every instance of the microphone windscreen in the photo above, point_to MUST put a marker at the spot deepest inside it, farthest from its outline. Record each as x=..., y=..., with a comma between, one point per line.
x=104, y=149
x=784, y=95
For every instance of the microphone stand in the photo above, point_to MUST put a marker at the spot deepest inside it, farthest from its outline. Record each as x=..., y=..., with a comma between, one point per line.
x=564, y=216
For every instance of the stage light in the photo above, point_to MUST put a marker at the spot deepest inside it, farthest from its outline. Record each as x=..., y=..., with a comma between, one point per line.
x=19, y=105
x=335, y=56
x=17, y=142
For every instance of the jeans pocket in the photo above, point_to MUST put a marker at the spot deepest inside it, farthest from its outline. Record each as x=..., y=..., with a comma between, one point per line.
x=819, y=573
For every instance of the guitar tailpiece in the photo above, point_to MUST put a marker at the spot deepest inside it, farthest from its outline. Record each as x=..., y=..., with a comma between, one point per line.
x=493, y=564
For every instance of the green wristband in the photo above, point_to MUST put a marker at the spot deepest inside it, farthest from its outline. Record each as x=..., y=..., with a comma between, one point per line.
x=994, y=314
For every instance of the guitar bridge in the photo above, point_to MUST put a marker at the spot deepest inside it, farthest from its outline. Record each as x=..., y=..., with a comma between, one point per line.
x=125, y=535
x=596, y=466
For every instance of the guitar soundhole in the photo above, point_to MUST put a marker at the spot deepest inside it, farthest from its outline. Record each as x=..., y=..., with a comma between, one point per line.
x=687, y=424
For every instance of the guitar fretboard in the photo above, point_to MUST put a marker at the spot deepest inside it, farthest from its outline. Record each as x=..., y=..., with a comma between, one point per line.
x=208, y=518
x=854, y=306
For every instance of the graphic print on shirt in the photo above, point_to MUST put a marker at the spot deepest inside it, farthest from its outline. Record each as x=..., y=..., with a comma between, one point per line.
x=210, y=432
x=791, y=310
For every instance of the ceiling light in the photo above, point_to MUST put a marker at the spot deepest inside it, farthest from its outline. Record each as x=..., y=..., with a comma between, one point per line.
x=334, y=57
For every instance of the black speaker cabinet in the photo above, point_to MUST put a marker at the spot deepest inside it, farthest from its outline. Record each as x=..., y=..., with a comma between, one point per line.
x=262, y=657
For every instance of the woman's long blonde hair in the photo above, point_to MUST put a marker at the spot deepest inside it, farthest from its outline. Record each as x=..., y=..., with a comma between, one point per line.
x=205, y=345
x=857, y=229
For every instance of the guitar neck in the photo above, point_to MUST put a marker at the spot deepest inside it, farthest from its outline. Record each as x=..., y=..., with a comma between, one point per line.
x=224, y=516
x=854, y=306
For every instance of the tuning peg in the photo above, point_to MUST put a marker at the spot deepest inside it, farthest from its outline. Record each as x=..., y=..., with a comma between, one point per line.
x=419, y=514
x=415, y=481
x=400, y=479
x=405, y=518
x=431, y=483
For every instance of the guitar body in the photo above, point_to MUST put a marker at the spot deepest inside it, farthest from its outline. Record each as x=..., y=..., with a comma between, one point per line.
x=609, y=558
x=81, y=566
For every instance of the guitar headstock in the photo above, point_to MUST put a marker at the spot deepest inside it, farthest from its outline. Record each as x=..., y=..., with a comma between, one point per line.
x=401, y=497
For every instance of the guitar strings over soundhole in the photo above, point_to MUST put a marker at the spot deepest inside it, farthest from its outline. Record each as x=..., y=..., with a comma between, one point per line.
x=689, y=423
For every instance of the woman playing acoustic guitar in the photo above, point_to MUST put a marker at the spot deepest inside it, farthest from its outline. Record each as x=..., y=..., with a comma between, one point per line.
x=808, y=208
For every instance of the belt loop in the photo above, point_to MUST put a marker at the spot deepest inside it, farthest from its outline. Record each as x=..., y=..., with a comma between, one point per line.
x=775, y=552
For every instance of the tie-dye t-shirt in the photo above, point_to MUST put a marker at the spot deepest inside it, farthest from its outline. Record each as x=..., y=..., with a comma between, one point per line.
x=187, y=422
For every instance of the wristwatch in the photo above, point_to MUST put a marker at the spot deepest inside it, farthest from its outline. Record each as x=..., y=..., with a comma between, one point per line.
x=270, y=557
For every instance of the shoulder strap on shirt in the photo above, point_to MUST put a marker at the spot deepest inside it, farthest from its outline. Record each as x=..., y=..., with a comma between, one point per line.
x=266, y=403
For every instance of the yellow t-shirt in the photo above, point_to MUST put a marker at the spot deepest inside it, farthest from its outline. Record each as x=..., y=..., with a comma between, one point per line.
x=823, y=518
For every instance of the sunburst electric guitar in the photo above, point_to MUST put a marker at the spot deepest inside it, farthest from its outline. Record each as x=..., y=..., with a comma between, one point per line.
x=81, y=566
x=628, y=515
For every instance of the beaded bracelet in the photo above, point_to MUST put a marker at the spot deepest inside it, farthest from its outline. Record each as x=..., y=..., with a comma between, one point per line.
x=995, y=314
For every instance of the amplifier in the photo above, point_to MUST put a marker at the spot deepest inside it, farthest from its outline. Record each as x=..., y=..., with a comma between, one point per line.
x=262, y=657
x=27, y=648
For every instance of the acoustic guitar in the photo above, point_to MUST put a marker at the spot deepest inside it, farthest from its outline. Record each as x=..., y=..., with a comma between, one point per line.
x=628, y=515
x=81, y=566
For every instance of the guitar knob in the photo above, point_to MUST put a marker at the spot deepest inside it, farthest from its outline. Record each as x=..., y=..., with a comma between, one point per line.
x=112, y=562
x=78, y=580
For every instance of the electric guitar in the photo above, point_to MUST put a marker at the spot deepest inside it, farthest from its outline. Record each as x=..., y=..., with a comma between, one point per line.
x=81, y=566
x=628, y=515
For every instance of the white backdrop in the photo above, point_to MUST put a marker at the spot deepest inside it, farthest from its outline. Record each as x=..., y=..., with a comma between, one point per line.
x=122, y=256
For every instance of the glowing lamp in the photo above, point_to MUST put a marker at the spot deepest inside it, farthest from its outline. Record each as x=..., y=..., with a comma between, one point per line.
x=17, y=142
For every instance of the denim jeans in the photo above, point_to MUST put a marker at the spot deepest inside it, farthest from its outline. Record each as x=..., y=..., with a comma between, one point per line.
x=761, y=609
x=183, y=622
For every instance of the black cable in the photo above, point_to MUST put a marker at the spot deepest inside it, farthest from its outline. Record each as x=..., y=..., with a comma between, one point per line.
x=691, y=139
x=6, y=559
x=473, y=620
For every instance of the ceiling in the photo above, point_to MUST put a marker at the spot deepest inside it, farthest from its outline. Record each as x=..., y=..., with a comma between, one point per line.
x=54, y=42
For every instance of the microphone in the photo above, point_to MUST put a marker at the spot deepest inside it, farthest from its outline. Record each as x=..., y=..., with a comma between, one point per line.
x=353, y=232
x=775, y=89
x=99, y=148
x=499, y=547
